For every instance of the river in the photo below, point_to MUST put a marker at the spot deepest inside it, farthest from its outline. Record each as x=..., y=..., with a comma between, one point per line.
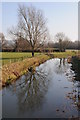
x=51, y=92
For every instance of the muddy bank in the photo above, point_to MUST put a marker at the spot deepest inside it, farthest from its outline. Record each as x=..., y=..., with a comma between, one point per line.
x=13, y=71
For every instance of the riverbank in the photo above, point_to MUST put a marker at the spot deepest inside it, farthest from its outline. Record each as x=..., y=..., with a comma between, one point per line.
x=65, y=54
x=13, y=71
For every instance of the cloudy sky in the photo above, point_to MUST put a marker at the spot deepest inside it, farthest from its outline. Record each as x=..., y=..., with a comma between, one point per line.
x=61, y=17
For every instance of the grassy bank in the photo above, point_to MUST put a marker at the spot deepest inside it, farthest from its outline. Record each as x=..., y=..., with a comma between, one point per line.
x=11, y=72
x=65, y=54
x=11, y=57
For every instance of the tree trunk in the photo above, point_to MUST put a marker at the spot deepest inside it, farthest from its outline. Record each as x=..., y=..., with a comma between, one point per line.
x=32, y=52
x=64, y=49
x=60, y=47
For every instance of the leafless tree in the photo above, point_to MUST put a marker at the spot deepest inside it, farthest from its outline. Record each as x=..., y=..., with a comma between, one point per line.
x=31, y=26
x=2, y=40
x=63, y=41
x=16, y=36
x=60, y=37
x=21, y=45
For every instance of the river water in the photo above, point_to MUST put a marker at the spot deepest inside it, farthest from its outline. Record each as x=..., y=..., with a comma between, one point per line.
x=51, y=92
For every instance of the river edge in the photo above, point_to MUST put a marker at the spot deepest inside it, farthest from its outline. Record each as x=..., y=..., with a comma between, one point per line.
x=13, y=71
x=52, y=76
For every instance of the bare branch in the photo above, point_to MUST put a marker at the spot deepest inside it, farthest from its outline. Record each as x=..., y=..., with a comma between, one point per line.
x=31, y=25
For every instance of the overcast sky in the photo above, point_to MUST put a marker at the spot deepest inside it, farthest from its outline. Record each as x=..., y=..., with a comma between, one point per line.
x=61, y=17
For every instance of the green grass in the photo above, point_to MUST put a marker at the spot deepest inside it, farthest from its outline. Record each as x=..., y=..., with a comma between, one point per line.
x=10, y=57
x=17, y=54
x=65, y=54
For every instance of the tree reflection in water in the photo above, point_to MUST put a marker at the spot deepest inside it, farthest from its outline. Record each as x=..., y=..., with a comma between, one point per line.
x=62, y=66
x=30, y=90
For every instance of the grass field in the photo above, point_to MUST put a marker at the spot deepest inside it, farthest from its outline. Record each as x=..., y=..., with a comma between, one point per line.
x=10, y=57
x=17, y=54
x=65, y=54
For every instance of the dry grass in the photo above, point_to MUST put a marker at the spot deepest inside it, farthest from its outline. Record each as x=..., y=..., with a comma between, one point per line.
x=12, y=71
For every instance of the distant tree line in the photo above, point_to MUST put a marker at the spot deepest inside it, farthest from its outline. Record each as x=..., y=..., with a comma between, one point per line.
x=21, y=45
x=71, y=45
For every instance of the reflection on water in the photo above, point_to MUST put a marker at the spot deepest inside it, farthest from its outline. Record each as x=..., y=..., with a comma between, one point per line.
x=49, y=92
x=62, y=66
x=30, y=91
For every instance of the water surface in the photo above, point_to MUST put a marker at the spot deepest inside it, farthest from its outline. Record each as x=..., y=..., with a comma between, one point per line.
x=50, y=92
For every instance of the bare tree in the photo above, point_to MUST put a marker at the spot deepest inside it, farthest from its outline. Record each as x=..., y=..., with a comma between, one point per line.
x=20, y=45
x=16, y=35
x=31, y=26
x=2, y=40
x=65, y=43
x=60, y=38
